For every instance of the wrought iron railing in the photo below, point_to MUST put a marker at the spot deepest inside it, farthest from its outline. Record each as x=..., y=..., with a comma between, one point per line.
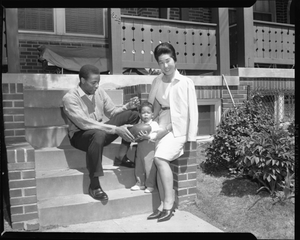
x=195, y=43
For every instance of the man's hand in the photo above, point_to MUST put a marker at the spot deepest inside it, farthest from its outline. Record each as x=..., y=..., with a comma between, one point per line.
x=124, y=133
x=133, y=103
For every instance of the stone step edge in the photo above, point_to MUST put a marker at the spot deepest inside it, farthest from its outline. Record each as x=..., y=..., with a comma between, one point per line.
x=41, y=174
x=78, y=199
x=115, y=143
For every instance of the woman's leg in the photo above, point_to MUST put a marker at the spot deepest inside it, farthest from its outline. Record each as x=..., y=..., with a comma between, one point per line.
x=166, y=177
x=161, y=192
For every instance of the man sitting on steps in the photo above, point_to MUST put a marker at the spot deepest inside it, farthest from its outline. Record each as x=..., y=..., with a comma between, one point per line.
x=85, y=107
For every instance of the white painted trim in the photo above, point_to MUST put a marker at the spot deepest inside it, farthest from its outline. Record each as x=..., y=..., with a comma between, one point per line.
x=214, y=80
x=262, y=73
x=59, y=21
x=61, y=38
x=65, y=81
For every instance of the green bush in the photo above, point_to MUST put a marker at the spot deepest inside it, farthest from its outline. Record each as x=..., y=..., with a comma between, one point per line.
x=248, y=142
x=268, y=156
x=237, y=123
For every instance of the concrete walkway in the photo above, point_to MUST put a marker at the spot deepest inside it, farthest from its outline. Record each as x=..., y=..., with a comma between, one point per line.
x=182, y=221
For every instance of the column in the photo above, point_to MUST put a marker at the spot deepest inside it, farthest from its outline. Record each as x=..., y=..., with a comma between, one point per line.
x=220, y=17
x=115, y=40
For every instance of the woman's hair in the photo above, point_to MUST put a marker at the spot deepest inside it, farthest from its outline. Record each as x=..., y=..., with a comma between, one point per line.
x=86, y=70
x=165, y=48
x=145, y=104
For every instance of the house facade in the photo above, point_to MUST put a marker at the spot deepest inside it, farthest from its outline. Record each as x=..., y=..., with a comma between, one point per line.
x=209, y=41
x=227, y=52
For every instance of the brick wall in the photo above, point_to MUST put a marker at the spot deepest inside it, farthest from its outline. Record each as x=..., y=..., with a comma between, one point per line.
x=142, y=91
x=29, y=54
x=129, y=11
x=200, y=15
x=13, y=112
x=281, y=11
x=175, y=13
x=148, y=12
x=268, y=83
x=195, y=14
x=22, y=187
x=239, y=95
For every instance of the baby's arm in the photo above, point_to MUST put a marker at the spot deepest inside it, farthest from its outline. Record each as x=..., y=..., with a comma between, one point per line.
x=143, y=135
x=154, y=132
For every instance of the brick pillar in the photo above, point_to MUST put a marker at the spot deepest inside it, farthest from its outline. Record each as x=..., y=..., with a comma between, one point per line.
x=185, y=175
x=20, y=161
x=13, y=112
x=22, y=187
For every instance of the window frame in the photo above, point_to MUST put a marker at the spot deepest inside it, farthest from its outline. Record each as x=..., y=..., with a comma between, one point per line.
x=216, y=102
x=59, y=23
x=41, y=31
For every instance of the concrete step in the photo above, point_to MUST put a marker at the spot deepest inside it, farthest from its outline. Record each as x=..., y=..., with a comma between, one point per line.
x=82, y=208
x=66, y=157
x=63, y=182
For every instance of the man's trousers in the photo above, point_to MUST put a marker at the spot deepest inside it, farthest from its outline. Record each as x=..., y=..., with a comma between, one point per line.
x=93, y=141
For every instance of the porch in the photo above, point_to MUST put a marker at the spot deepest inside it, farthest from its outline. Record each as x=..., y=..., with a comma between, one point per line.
x=202, y=48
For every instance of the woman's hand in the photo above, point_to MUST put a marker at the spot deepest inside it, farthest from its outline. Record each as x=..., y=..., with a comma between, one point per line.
x=164, y=131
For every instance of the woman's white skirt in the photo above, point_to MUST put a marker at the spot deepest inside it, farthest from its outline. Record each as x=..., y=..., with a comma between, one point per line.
x=169, y=147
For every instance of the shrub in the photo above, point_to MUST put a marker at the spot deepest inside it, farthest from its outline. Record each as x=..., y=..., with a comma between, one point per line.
x=268, y=156
x=248, y=142
x=237, y=123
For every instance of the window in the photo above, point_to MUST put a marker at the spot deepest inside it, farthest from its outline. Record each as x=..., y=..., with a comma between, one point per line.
x=209, y=116
x=263, y=10
x=232, y=16
x=85, y=21
x=36, y=19
x=60, y=21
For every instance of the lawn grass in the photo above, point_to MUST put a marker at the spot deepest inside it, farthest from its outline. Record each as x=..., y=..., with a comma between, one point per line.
x=232, y=205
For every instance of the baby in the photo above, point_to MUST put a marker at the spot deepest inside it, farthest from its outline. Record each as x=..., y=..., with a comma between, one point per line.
x=145, y=169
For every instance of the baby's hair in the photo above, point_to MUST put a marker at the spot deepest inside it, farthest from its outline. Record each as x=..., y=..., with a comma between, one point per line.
x=145, y=104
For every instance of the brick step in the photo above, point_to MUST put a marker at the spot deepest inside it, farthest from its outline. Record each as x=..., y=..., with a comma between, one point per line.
x=47, y=159
x=63, y=182
x=82, y=208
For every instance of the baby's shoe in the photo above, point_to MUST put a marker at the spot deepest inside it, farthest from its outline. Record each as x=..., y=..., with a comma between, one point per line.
x=149, y=190
x=137, y=187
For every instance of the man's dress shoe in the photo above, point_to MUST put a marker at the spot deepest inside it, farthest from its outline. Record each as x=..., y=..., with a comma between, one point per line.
x=98, y=194
x=124, y=163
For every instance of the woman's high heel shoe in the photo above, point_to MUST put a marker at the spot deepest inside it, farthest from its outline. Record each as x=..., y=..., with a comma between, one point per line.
x=154, y=215
x=166, y=214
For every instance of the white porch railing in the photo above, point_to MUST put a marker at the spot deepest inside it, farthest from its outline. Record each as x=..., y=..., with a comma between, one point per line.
x=195, y=43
